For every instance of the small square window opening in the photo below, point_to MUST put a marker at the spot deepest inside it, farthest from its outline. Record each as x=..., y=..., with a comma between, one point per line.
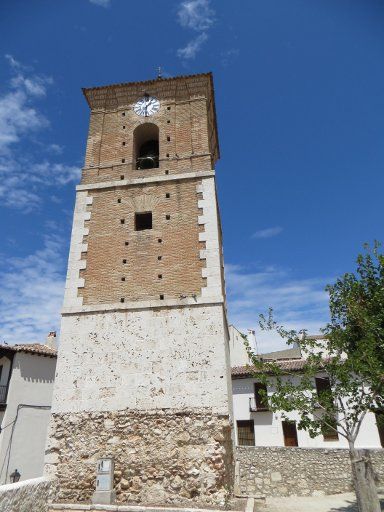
x=143, y=221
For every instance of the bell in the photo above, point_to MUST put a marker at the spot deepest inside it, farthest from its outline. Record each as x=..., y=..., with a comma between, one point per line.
x=148, y=155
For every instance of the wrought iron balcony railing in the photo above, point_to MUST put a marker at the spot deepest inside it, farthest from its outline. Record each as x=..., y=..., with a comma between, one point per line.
x=3, y=394
x=253, y=407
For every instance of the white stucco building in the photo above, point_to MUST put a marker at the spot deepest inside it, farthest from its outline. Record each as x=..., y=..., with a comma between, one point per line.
x=255, y=425
x=27, y=374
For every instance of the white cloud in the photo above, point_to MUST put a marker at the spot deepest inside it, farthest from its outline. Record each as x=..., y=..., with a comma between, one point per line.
x=192, y=48
x=31, y=294
x=55, y=148
x=102, y=3
x=196, y=14
x=54, y=173
x=268, y=232
x=21, y=177
x=17, y=118
x=297, y=303
x=15, y=64
x=35, y=86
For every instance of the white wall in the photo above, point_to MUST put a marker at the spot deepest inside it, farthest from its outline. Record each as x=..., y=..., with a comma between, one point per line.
x=22, y=446
x=238, y=352
x=146, y=359
x=268, y=427
x=6, y=364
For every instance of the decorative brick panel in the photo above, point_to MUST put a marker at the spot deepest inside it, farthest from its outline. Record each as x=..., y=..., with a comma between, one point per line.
x=180, y=265
x=188, y=123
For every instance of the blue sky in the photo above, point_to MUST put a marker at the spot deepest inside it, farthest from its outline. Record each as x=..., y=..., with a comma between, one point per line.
x=299, y=96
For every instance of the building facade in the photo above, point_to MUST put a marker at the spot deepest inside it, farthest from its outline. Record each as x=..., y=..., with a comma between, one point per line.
x=256, y=425
x=27, y=374
x=143, y=370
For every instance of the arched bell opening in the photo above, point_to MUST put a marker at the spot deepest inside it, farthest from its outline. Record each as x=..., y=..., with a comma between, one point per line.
x=146, y=146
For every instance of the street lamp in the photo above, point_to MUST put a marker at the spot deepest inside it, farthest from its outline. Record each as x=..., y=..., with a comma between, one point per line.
x=15, y=476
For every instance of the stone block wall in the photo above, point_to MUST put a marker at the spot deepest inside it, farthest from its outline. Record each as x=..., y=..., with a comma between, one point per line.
x=161, y=457
x=276, y=471
x=27, y=496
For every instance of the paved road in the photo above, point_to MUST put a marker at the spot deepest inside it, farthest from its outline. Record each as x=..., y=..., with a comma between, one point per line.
x=335, y=503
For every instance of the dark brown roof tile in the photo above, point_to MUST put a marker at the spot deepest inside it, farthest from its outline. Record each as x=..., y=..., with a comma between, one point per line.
x=31, y=348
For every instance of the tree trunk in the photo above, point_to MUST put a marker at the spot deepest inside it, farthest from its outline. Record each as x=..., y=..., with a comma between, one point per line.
x=364, y=481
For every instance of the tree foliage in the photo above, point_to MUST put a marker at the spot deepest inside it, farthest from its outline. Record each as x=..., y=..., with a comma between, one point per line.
x=349, y=356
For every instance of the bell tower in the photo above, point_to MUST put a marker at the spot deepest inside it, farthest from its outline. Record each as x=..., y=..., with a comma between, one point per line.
x=143, y=368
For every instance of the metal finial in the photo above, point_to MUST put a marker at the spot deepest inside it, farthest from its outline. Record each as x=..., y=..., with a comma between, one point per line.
x=159, y=75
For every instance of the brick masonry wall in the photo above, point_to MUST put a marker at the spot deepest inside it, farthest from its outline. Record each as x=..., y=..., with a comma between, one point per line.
x=168, y=166
x=161, y=457
x=175, y=241
x=111, y=145
x=276, y=471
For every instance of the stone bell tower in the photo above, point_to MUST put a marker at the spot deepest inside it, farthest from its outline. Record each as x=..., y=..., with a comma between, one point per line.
x=143, y=367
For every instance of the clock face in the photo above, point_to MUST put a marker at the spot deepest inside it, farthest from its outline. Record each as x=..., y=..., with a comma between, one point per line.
x=147, y=106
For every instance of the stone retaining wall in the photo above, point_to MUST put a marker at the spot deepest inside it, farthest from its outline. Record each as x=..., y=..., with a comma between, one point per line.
x=161, y=457
x=276, y=471
x=27, y=496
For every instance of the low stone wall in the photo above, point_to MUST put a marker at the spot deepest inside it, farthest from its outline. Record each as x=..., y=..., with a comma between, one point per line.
x=275, y=471
x=161, y=457
x=27, y=496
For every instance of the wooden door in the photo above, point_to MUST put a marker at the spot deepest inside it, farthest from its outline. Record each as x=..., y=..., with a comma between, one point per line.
x=290, y=433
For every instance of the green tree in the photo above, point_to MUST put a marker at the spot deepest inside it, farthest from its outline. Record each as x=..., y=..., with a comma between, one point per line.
x=350, y=359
